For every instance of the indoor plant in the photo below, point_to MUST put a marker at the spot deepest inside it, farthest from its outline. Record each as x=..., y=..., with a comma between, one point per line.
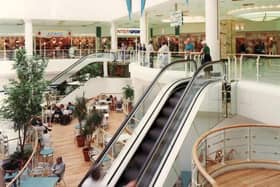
x=128, y=93
x=80, y=112
x=24, y=94
x=92, y=122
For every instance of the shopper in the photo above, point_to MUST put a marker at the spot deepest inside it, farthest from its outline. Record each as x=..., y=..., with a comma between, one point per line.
x=163, y=52
x=94, y=178
x=206, y=57
x=150, y=54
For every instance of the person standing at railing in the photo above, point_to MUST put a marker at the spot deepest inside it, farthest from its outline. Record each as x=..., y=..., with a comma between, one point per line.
x=150, y=54
x=163, y=54
x=206, y=57
x=189, y=47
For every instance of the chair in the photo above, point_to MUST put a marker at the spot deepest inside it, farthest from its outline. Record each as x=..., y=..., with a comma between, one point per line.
x=119, y=107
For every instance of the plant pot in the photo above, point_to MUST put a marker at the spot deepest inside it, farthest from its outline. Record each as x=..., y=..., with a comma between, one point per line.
x=80, y=140
x=86, y=155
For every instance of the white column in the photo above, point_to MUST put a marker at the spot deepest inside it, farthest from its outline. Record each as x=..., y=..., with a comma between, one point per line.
x=28, y=36
x=105, y=69
x=144, y=29
x=114, y=40
x=212, y=27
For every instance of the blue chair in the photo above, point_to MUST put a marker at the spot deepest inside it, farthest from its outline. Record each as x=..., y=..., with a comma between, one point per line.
x=186, y=178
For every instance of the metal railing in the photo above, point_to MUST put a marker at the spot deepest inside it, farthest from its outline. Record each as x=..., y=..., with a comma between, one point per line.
x=237, y=145
x=32, y=138
x=254, y=67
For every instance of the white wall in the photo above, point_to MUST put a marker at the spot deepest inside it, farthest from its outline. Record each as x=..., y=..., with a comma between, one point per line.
x=259, y=101
x=95, y=86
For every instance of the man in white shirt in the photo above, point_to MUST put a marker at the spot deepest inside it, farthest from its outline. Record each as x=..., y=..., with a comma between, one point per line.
x=163, y=52
x=150, y=55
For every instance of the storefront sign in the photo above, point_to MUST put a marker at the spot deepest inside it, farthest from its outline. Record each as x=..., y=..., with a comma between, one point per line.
x=128, y=32
x=50, y=34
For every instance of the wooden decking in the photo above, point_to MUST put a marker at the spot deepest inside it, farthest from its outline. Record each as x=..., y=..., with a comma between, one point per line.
x=250, y=178
x=65, y=146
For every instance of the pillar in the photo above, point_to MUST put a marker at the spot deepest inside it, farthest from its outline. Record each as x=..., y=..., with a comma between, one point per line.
x=28, y=36
x=144, y=29
x=114, y=40
x=212, y=29
x=105, y=69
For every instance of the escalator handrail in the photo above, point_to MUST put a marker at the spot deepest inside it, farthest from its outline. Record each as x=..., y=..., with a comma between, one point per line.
x=75, y=64
x=130, y=115
x=166, y=127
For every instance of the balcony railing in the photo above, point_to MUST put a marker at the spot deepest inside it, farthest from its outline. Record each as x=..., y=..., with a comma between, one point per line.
x=234, y=147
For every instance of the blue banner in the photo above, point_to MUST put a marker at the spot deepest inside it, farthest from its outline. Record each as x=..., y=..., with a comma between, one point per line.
x=143, y=2
x=187, y=2
x=129, y=7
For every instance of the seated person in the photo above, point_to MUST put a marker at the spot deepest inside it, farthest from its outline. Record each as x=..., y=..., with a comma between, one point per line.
x=57, y=115
x=58, y=168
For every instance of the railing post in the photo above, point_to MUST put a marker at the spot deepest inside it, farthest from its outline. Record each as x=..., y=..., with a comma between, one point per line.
x=229, y=70
x=249, y=144
x=240, y=69
x=258, y=70
x=224, y=147
x=235, y=67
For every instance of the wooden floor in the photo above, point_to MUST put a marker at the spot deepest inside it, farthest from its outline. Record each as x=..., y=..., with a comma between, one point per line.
x=64, y=145
x=250, y=178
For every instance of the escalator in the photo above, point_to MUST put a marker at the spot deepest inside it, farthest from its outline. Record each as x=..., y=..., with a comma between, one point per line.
x=151, y=112
x=79, y=64
x=134, y=166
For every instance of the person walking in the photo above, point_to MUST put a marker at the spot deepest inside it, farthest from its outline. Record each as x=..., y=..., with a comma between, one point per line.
x=206, y=57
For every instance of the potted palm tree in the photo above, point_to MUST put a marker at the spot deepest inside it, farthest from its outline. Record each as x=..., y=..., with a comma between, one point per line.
x=128, y=94
x=80, y=112
x=92, y=123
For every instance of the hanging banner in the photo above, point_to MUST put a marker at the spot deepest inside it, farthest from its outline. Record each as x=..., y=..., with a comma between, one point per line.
x=143, y=2
x=187, y=2
x=129, y=7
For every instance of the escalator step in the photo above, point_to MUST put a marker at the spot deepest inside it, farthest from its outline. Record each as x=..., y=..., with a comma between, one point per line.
x=173, y=101
x=161, y=121
x=167, y=111
x=129, y=175
x=139, y=159
x=154, y=133
x=147, y=145
x=179, y=93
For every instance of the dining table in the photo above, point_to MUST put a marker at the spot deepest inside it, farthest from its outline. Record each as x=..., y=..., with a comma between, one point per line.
x=39, y=181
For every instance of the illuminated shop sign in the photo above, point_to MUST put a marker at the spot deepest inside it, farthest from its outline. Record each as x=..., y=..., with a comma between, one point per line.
x=128, y=32
x=50, y=34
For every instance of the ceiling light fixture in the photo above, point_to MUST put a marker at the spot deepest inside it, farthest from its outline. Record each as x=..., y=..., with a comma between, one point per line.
x=263, y=13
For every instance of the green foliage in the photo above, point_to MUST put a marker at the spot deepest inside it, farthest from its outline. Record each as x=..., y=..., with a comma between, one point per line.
x=21, y=155
x=25, y=94
x=128, y=92
x=93, y=121
x=94, y=69
x=80, y=110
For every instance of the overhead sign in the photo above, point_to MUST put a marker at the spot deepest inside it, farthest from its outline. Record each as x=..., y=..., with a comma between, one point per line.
x=176, y=18
x=128, y=32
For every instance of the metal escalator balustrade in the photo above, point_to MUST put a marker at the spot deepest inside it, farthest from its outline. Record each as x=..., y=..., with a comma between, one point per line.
x=90, y=58
x=177, y=70
x=166, y=141
x=139, y=158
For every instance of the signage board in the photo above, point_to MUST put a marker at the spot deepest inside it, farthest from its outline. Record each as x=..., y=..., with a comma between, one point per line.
x=176, y=18
x=50, y=34
x=128, y=32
